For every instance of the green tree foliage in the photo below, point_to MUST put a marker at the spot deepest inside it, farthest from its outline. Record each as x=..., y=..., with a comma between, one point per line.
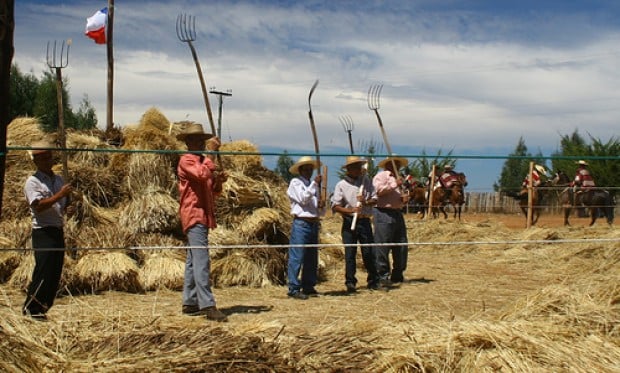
x=421, y=167
x=605, y=170
x=46, y=104
x=23, y=88
x=516, y=167
x=85, y=118
x=284, y=163
x=37, y=97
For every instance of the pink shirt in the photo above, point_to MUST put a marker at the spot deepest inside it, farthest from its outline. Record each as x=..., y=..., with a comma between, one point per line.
x=197, y=199
x=388, y=193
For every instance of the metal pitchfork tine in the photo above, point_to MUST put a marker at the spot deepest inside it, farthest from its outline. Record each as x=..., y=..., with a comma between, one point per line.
x=374, y=93
x=59, y=61
x=347, y=125
x=186, y=32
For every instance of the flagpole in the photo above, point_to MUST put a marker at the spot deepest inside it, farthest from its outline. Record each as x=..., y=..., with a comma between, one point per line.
x=110, y=51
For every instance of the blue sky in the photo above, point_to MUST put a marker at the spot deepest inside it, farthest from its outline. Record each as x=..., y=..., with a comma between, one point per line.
x=468, y=76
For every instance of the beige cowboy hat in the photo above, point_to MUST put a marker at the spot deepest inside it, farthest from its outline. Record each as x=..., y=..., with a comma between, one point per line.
x=400, y=162
x=353, y=159
x=582, y=163
x=540, y=169
x=43, y=145
x=193, y=130
x=306, y=159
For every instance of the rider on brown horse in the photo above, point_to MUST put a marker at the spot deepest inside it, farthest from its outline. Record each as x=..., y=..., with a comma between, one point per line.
x=447, y=179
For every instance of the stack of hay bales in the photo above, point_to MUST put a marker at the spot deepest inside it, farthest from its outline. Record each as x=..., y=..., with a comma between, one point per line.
x=126, y=199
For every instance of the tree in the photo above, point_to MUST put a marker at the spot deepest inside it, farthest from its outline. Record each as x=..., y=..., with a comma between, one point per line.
x=421, y=168
x=23, y=93
x=46, y=104
x=85, y=118
x=606, y=169
x=284, y=163
x=516, y=167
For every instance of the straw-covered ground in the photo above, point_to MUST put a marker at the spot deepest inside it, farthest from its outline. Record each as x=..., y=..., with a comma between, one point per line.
x=483, y=294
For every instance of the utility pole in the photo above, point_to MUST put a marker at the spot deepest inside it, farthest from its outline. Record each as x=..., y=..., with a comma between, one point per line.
x=220, y=95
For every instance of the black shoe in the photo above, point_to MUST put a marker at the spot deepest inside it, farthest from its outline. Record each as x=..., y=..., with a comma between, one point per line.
x=298, y=295
x=311, y=292
x=212, y=313
x=385, y=283
x=192, y=310
x=351, y=288
x=397, y=279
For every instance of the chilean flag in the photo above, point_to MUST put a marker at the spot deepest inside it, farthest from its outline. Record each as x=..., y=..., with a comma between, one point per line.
x=95, y=26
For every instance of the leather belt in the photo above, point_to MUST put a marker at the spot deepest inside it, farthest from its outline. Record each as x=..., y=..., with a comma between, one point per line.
x=308, y=219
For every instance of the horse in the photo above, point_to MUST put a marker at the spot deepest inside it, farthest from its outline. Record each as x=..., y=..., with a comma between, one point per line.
x=594, y=199
x=538, y=195
x=456, y=197
x=417, y=195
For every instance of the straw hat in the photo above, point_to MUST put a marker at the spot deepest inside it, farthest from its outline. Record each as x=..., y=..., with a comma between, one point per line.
x=45, y=144
x=400, y=162
x=448, y=167
x=582, y=163
x=193, y=130
x=306, y=159
x=353, y=159
x=540, y=169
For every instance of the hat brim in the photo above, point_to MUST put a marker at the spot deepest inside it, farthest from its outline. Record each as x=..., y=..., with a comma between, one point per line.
x=203, y=136
x=294, y=169
x=359, y=161
x=401, y=162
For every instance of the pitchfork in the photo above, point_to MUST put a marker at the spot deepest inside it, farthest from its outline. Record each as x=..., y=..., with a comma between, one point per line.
x=374, y=93
x=59, y=61
x=347, y=124
x=186, y=32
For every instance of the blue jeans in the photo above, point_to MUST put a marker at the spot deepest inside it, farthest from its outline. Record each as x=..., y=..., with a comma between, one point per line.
x=363, y=235
x=390, y=228
x=197, y=282
x=303, y=259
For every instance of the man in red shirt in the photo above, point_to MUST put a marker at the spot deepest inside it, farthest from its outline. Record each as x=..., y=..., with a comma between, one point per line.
x=199, y=185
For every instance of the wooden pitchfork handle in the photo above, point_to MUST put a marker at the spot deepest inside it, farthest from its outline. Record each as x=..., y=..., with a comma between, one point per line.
x=316, y=142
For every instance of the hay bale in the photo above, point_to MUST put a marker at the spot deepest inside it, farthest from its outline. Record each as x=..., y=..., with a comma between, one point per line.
x=154, y=119
x=148, y=172
x=263, y=222
x=162, y=271
x=81, y=140
x=103, y=271
x=152, y=212
x=22, y=275
x=16, y=233
x=241, y=162
x=256, y=267
x=9, y=260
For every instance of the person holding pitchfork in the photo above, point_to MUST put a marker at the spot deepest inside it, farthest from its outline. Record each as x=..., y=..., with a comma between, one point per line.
x=353, y=198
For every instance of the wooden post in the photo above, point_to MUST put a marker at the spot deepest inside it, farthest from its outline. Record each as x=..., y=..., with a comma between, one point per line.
x=110, y=51
x=529, y=195
x=431, y=185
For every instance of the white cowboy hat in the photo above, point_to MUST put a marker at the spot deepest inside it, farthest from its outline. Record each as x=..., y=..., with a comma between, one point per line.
x=583, y=163
x=400, y=162
x=354, y=159
x=193, y=130
x=43, y=146
x=306, y=159
x=540, y=169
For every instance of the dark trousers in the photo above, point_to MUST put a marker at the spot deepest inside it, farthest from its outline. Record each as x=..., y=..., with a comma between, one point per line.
x=47, y=269
x=363, y=235
x=390, y=228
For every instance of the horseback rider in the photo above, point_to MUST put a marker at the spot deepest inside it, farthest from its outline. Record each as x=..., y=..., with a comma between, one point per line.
x=447, y=179
x=583, y=181
x=537, y=174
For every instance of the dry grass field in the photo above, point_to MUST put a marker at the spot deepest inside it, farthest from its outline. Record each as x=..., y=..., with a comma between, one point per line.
x=467, y=307
x=483, y=294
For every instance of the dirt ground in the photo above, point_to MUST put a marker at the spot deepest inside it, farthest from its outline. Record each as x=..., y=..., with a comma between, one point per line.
x=452, y=282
